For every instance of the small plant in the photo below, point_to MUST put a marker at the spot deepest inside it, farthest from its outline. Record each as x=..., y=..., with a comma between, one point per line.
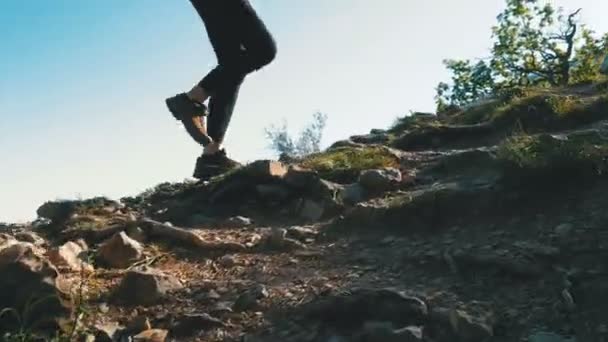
x=309, y=140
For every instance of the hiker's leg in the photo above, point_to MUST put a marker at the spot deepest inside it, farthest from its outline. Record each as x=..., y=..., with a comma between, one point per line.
x=256, y=48
x=221, y=107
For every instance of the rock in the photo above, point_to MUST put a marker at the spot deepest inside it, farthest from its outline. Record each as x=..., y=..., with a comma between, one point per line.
x=106, y=332
x=300, y=178
x=137, y=325
x=237, y=222
x=301, y=233
x=137, y=234
x=358, y=306
x=30, y=237
x=227, y=261
x=548, y=337
x=380, y=180
x=250, y=299
x=468, y=328
x=26, y=276
x=145, y=286
x=264, y=169
x=152, y=335
x=277, y=192
x=372, y=138
x=57, y=212
x=120, y=251
x=385, y=332
x=410, y=334
x=345, y=143
x=377, y=131
x=277, y=239
x=311, y=210
x=8, y=240
x=564, y=229
x=71, y=255
x=190, y=324
x=352, y=194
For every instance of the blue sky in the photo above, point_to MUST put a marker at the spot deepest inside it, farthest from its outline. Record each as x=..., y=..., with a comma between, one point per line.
x=83, y=83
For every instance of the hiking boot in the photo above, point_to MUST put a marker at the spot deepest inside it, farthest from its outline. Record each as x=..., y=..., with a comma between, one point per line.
x=190, y=113
x=210, y=165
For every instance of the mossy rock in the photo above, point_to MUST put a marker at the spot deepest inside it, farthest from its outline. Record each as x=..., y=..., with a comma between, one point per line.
x=534, y=110
x=546, y=157
x=343, y=165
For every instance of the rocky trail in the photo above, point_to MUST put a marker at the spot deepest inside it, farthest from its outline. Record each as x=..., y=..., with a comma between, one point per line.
x=442, y=230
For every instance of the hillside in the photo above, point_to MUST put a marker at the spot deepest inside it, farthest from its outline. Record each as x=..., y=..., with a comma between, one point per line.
x=486, y=223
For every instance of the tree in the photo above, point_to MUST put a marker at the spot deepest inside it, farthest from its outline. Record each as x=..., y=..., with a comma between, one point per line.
x=533, y=40
x=309, y=140
x=534, y=44
x=469, y=83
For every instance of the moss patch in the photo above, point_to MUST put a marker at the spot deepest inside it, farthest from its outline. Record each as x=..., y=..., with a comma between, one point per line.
x=344, y=165
x=582, y=153
x=413, y=122
x=536, y=109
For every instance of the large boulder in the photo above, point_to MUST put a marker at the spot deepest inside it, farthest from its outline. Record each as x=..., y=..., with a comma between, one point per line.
x=120, y=251
x=145, y=286
x=30, y=284
x=380, y=180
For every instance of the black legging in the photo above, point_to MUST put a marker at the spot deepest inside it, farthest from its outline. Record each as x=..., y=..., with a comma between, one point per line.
x=242, y=45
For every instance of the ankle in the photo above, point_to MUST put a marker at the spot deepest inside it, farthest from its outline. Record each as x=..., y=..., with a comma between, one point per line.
x=212, y=148
x=198, y=94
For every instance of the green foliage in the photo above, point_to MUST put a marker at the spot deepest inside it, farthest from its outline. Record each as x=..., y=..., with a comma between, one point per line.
x=534, y=44
x=412, y=122
x=346, y=163
x=309, y=140
x=547, y=154
x=470, y=82
x=589, y=58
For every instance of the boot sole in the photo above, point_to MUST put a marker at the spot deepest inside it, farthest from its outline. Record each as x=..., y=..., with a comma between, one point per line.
x=172, y=109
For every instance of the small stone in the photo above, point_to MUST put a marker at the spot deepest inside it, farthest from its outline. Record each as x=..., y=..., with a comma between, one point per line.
x=137, y=234
x=104, y=308
x=227, y=261
x=301, y=233
x=468, y=328
x=237, y=222
x=277, y=236
x=221, y=308
x=30, y=237
x=212, y=294
x=70, y=255
x=564, y=229
x=145, y=286
x=249, y=300
x=138, y=324
x=106, y=332
x=190, y=324
x=152, y=335
x=120, y=251
x=277, y=239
